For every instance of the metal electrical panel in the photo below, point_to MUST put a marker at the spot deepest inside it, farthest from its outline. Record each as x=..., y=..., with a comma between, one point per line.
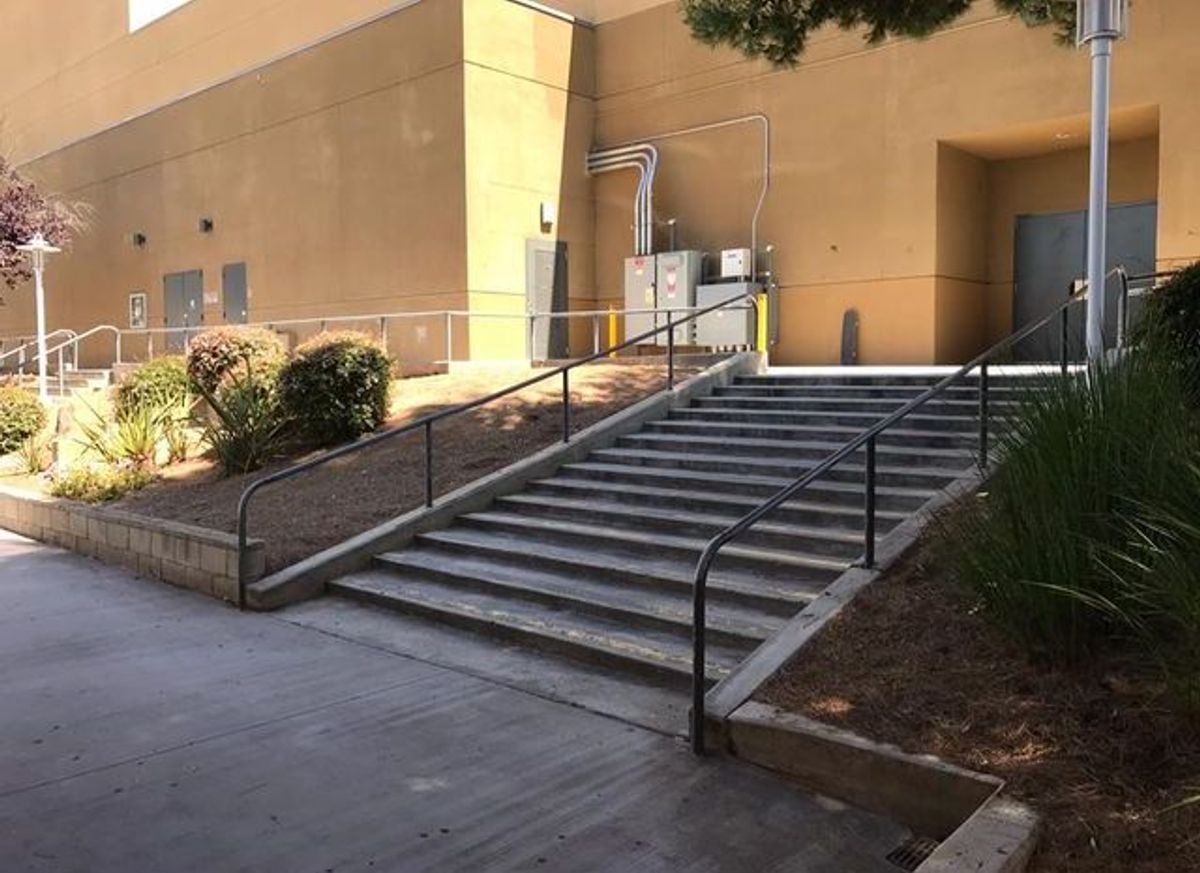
x=729, y=327
x=640, y=294
x=678, y=275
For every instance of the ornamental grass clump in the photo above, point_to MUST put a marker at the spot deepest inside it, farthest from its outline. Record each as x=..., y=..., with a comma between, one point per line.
x=336, y=387
x=249, y=426
x=1086, y=541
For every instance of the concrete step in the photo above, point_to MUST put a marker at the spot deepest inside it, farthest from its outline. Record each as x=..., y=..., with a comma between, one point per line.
x=582, y=637
x=885, y=380
x=831, y=434
x=844, y=493
x=854, y=421
x=905, y=393
x=846, y=471
x=881, y=406
x=758, y=561
x=725, y=507
x=771, y=534
x=637, y=605
x=952, y=459
x=653, y=572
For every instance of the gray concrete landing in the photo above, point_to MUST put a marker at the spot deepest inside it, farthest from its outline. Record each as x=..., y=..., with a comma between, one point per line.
x=148, y=729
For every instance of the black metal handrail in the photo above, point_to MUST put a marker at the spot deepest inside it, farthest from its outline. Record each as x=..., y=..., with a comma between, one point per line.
x=1077, y=292
x=427, y=422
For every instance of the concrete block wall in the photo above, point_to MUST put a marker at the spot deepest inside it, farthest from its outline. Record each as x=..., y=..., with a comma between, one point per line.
x=180, y=554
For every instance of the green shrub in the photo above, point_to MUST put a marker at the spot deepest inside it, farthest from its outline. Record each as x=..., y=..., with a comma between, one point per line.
x=162, y=382
x=21, y=417
x=1171, y=318
x=212, y=355
x=249, y=426
x=1085, y=540
x=336, y=387
x=100, y=484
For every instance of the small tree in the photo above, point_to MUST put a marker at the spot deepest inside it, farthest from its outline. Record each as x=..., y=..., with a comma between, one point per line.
x=24, y=211
x=779, y=29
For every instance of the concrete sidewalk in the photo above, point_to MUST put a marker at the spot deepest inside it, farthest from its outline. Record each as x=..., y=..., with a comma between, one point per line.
x=149, y=729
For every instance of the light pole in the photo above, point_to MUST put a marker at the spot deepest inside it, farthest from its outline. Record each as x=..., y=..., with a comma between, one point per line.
x=1101, y=23
x=37, y=249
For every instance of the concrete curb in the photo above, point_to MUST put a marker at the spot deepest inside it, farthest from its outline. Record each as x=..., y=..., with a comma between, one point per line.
x=308, y=578
x=982, y=831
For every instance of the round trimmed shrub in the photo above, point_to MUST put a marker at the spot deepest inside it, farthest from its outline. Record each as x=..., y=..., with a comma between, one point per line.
x=21, y=417
x=336, y=387
x=212, y=355
x=160, y=383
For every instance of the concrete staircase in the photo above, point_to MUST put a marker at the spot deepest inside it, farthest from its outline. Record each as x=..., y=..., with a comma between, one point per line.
x=72, y=381
x=595, y=563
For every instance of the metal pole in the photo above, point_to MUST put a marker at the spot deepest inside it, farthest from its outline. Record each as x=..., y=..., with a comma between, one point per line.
x=40, y=292
x=450, y=337
x=983, y=417
x=670, y=353
x=595, y=334
x=1122, y=308
x=383, y=333
x=1065, y=335
x=699, y=664
x=62, y=383
x=1097, y=224
x=566, y=401
x=869, y=513
x=429, y=463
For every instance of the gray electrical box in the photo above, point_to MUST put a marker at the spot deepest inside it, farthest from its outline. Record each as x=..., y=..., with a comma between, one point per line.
x=732, y=326
x=678, y=276
x=640, y=294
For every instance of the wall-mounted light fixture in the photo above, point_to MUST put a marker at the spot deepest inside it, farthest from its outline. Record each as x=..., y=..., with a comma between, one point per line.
x=206, y=225
x=548, y=213
x=138, y=239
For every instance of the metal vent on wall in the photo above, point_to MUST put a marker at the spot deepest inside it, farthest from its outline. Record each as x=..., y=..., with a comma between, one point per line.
x=910, y=854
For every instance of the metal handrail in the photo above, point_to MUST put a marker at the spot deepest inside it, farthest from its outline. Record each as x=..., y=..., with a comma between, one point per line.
x=33, y=343
x=426, y=423
x=865, y=439
x=1128, y=291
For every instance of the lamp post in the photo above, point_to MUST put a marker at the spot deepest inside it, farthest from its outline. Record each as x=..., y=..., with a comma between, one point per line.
x=1101, y=23
x=37, y=249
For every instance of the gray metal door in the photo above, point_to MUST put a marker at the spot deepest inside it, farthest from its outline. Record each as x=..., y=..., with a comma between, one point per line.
x=234, y=301
x=546, y=291
x=183, y=305
x=1051, y=252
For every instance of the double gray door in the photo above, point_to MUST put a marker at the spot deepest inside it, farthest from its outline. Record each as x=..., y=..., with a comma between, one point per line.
x=183, y=305
x=1051, y=252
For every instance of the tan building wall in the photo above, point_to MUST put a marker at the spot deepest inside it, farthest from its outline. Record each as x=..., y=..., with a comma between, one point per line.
x=867, y=203
x=402, y=164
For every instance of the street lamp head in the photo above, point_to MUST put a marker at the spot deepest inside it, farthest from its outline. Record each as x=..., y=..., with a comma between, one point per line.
x=37, y=249
x=1100, y=19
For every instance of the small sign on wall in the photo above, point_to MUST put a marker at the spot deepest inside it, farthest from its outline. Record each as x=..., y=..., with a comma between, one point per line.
x=137, y=310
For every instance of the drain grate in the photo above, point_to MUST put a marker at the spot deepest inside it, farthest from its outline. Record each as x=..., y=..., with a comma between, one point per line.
x=909, y=854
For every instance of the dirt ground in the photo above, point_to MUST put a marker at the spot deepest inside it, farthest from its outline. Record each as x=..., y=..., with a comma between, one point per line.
x=302, y=516
x=1095, y=750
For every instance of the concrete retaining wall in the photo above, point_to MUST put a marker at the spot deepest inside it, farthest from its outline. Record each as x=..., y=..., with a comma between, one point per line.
x=180, y=554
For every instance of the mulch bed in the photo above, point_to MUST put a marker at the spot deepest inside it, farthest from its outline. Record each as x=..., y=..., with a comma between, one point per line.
x=1095, y=749
x=317, y=510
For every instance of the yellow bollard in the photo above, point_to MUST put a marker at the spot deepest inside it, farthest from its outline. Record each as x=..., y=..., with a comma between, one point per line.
x=762, y=338
x=612, y=329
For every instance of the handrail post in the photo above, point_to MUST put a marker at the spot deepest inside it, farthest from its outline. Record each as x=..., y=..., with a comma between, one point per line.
x=383, y=333
x=62, y=385
x=595, y=334
x=566, y=401
x=1122, y=308
x=243, y=557
x=450, y=337
x=429, y=464
x=983, y=417
x=869, y=508
x=670, y=353
x=1065, y=339
x=699, y=671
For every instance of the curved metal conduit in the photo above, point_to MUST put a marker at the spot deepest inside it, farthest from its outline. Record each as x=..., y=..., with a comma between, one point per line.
x=646, y=142
x=642, y=157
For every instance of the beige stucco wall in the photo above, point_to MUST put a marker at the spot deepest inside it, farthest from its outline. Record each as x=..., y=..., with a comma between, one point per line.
x=401, y=165
x=336, y=174
x=856, y=211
